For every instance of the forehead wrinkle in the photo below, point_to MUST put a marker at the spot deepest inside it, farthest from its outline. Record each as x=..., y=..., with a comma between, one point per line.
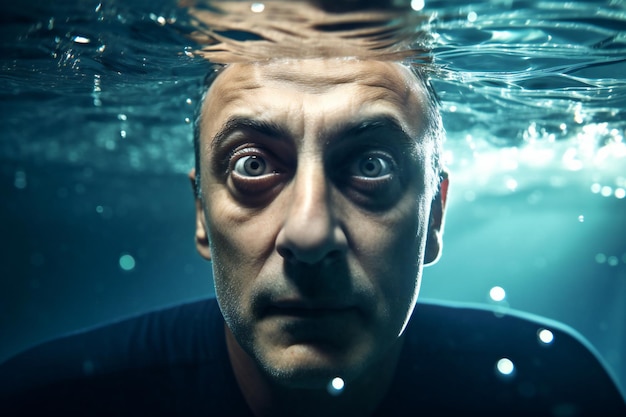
x=221, y=95
x=313, y=84
x=225, y=95
x=407, y=113
x=322, y=83
x=386, y=89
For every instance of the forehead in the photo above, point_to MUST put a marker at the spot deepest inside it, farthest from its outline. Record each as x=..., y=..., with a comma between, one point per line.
x=319, y=75
x=305, y=92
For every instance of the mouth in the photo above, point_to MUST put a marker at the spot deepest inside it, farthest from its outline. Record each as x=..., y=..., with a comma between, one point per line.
x=312, y=323
x=307, y=310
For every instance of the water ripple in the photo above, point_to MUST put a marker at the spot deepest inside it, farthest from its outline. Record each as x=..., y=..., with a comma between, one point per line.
x=509, y=73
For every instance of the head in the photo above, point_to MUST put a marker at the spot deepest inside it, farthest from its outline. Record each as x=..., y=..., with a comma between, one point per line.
x=319, y=199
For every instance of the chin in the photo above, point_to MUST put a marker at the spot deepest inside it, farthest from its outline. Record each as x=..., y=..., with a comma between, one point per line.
x=308, y=367
x=305, y=378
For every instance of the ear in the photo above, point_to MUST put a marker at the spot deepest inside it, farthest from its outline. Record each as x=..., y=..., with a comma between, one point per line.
x=434, y=241
x=201, y=235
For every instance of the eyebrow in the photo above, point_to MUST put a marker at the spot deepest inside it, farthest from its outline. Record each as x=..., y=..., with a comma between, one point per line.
x=263, y=127
x=276, y=131
x=367, y=125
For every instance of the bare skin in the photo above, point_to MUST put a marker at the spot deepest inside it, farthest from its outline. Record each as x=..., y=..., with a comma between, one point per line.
x=318, y=212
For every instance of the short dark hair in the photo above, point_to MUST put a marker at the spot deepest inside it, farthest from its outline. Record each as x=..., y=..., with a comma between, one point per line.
x=433, y=131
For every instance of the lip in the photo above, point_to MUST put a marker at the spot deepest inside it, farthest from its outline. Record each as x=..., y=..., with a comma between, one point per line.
x=308, y=309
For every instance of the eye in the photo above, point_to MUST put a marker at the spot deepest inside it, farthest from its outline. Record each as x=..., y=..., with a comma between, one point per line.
x=251, y=166
x=372, y=178
x=371, y=166
x=255, y=174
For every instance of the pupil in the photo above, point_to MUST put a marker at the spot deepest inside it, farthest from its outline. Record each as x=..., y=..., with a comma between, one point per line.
x=254, y=166
x=370, y=167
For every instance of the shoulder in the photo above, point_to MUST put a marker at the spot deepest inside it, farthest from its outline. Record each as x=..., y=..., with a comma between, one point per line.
x=149, y=355
x=485, y=328
x=171, y=334
x=500, y=358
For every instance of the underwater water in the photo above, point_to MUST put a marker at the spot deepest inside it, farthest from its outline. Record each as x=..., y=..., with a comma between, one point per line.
x=97, y=101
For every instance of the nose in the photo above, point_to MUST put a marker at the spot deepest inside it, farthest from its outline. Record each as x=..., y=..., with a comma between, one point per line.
x=311, y=232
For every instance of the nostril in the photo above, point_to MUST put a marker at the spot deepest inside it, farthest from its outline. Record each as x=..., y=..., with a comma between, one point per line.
x=287, y=254
x=334, y=255
x=308, y=258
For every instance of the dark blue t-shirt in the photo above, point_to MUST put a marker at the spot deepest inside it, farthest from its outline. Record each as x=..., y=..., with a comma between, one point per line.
x=457, y=360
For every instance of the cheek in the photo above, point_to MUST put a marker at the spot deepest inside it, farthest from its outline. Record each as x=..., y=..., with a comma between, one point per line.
x=391, y=255
x=236, y=234
x=399, y=235
x=234, y=269
x=241, y=241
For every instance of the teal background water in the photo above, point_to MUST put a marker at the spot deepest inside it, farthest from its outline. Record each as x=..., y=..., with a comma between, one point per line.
x=96, y=213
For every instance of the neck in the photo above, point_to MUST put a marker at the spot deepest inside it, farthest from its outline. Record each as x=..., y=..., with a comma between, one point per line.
x=266, y=397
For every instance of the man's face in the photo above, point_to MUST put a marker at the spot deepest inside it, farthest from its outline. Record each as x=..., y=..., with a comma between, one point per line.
x=316, y=203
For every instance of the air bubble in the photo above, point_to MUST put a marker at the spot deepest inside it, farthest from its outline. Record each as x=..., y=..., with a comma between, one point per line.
x=417, y=5
x=81, y=39
x=505, y=367
x=545, y=336
x=127, y=262
x=497, y=293
x=19, y=181
x=336, y=386
x=511, y=184
x=257, y=7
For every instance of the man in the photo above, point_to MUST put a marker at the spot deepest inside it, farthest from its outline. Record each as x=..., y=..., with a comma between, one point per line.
x=320, y=178
x=319, y=198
